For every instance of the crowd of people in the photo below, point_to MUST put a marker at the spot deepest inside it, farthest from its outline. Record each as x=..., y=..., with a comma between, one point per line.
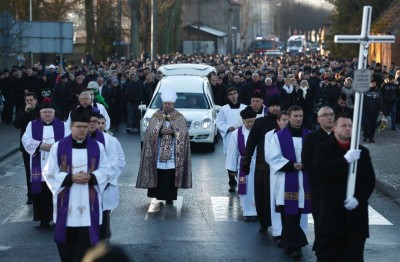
x=286, y=128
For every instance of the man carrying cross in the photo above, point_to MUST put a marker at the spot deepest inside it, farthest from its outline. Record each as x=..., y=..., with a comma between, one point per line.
x=342, y=225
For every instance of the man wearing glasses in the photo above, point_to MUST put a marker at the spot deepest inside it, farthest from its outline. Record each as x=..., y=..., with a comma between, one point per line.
x=325, y=120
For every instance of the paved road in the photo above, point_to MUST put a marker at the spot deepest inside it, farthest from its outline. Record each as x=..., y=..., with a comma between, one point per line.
x=205, y=224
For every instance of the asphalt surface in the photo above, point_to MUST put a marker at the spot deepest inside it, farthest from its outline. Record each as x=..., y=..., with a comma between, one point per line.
x=385, y=154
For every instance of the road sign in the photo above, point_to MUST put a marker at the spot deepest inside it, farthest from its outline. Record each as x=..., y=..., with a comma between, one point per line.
x=362, y=80
x=120, y=43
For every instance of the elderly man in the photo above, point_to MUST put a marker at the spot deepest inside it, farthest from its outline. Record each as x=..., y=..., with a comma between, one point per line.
x=165, y=164
x=37, y=140
x=77, y=172
x=325, y=120
x=86, y=102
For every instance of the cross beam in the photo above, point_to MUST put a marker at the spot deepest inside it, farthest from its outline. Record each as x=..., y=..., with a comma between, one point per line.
x=364, y=39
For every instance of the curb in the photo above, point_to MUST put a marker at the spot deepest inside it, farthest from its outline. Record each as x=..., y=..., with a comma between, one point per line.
x=11, y=150
x=388, y=190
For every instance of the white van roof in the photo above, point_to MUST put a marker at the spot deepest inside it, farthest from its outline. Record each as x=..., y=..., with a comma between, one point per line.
x=187, y=84
x=186, y=69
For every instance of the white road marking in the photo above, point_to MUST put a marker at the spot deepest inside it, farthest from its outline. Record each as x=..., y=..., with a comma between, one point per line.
x=159, y=210
x=2, y=248
x=226, y=208
x=23, y=213
x=375, y=219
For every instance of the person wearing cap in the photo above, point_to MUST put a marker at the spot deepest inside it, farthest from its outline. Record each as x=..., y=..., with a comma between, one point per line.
x=39, y=136
x=257, y=103
x=117, y=158
x=390, y=93
x=77, y=172
x=51, y=75
x=255, y=142
x=228, y=120
x=235, y=152
x=372, y=108
x=165, y=163
x=22, y=119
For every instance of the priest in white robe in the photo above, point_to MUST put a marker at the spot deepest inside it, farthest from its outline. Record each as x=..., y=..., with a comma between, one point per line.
x=228, y=120
x=38, y=138
x=77, y=173
x=292, y=191
x=117, y=158
x=282, y=120
x=236, y=149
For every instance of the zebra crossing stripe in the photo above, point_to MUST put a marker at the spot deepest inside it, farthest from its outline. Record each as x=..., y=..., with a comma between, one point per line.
x=226, y=208
x=23, y=213
x=375, y=219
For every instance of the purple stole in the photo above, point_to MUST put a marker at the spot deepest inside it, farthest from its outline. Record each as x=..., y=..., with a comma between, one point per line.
x=37, y=134
x=94, y=108
x=242, y=188
x=64, y=156
x=292, y=178
x=99, y=136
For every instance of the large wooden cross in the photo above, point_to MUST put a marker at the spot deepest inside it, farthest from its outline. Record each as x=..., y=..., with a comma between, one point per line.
x=364, y=39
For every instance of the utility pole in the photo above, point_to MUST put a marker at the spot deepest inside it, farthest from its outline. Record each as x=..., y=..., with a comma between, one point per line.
x=134, y=29
x=153, y=29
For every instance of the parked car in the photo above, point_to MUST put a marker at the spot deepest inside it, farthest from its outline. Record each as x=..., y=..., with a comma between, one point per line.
x=194, y=100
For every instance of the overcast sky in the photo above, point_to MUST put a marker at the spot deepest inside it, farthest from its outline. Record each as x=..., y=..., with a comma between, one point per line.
x=317, y=3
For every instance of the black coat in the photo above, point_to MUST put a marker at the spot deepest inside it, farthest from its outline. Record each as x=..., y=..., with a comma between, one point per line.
x=307, y=155
x=256, y=138
x=332, y=170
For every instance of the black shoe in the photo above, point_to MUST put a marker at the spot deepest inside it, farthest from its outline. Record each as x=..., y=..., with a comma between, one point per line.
x=296, y=253
x=250, y=218
x=44, y=223
x=169, y=202
x=277, y=241
x=371, y=140
x=262, y=230
x=365, y=140
x=232, y=189
x=29, y=201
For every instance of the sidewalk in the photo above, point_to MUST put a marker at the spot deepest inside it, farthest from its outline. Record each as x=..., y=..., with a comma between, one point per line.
x=9, y=140
x=385, y=154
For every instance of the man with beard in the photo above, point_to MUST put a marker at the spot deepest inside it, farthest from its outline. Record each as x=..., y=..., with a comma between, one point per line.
x=261, y=175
